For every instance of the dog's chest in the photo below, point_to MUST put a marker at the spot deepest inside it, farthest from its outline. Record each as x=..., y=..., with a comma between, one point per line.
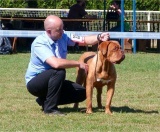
x=103, y=81
x=103, y=71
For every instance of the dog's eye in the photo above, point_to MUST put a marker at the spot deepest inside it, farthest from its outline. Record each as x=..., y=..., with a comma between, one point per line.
x=115, y=49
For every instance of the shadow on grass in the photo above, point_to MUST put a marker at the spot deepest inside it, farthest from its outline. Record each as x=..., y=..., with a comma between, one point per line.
x=126, y=109
x=122, y=109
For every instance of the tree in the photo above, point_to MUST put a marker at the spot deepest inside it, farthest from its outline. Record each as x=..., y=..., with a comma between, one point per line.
x=152, y=5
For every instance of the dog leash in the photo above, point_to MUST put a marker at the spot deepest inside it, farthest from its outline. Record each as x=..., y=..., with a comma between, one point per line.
x=98, y=38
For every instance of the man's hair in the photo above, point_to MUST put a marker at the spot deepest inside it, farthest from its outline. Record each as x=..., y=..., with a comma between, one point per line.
x=78, y=1
x=118, y=2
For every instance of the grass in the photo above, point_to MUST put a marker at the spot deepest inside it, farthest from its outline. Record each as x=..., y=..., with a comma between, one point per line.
x=135, y=105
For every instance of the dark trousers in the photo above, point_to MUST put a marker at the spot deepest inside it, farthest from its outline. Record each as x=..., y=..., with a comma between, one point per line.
x=52, y=88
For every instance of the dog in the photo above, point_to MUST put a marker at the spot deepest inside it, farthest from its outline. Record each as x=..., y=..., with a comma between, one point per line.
x=101, y=72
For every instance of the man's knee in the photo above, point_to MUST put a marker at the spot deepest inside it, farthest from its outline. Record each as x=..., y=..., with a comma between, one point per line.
x=82, y=95
x=59, y=72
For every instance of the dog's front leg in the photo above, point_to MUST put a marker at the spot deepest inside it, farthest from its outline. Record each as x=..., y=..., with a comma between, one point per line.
x=110, y=93
x=99, y=97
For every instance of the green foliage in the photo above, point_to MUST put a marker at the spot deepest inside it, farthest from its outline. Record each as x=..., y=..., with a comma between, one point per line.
x=90, y=4
x=49, y=4
x=13, y=3
x=65, y=4
x=148, y=5
x=152, y=5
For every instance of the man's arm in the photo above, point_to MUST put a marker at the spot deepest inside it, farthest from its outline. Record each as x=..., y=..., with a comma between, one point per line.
x=91, y=39
x=64, y=63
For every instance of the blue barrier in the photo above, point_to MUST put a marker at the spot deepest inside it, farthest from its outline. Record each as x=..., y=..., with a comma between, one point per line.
x=115, y=35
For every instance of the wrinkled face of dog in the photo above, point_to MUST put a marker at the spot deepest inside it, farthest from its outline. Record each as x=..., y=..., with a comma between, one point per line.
x=112, y=51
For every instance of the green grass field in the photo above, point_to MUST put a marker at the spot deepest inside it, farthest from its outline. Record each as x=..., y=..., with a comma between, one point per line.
x=135, y=105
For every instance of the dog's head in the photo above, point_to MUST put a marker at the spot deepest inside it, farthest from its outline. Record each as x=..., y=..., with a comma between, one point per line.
x=112, y=51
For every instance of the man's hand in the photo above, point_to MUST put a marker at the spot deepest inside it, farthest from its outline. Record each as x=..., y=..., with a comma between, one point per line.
x=112, y=7
x=103, y=36
x=84, y=66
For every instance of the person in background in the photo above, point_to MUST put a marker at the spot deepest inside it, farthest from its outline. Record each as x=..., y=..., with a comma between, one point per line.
x=12, y=40
x=116, y=4
x=46, y=75
x=77, y=11
x=115, y=14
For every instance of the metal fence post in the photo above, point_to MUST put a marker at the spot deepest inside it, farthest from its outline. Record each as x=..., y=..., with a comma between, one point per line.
x=134, y=24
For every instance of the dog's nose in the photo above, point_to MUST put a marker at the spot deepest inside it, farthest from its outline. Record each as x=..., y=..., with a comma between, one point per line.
x=122, y=51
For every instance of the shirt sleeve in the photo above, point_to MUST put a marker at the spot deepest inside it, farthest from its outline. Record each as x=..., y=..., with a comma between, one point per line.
x=43, y=51
x=67, y=35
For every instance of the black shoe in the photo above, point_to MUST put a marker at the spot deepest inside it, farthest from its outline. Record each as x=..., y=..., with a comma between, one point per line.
x=40, y=102
x=55, y=112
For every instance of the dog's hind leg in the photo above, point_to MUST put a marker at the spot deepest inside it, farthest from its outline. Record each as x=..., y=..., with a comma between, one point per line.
x=80, y=76
x=80, y=80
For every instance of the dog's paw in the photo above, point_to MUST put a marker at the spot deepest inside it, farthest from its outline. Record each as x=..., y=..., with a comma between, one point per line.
x=108, y=111
x=89, y=111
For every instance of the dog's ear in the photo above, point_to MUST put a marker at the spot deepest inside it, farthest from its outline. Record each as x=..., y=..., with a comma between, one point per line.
x=103, y=47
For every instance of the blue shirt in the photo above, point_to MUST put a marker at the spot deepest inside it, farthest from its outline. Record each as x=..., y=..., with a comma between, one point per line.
x=44, y=47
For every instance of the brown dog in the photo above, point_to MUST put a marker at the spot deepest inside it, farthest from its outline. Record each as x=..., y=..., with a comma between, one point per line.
x=101, y=72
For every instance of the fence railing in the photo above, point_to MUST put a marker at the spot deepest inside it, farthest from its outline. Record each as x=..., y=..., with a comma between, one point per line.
x=146, y=20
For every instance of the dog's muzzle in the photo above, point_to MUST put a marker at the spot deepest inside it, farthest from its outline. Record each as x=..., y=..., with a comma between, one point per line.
x=121, y=59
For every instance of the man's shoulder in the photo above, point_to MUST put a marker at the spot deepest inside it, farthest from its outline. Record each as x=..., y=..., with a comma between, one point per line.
x=41, y=40
x=75, y=6
x=41, y=36
x=66, y=35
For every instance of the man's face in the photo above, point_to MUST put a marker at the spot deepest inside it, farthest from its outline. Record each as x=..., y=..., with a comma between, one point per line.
x=56, y=33
x=115, y=5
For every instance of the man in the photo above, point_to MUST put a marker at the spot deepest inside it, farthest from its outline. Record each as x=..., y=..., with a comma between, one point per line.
x=45, y=76
x=115, y=6
x=115, y=14
x=77, y=11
